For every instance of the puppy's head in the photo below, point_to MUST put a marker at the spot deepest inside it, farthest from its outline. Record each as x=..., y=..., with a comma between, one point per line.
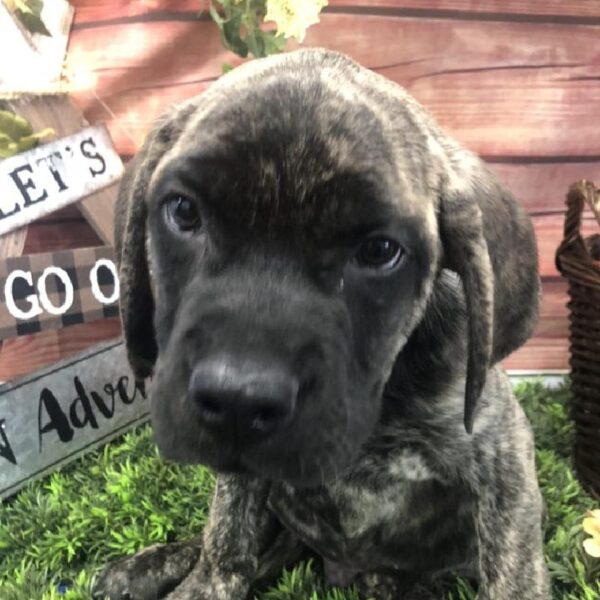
x=279, y=238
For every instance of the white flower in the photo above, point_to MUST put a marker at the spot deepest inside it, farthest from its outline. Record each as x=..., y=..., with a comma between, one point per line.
x=591, y=525
x=294, y=17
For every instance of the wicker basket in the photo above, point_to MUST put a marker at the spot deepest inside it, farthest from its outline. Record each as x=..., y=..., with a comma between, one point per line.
x=578, y=259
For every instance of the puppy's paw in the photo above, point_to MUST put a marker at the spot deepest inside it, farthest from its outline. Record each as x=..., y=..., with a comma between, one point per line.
x=149, y=575
x=208, y=583
x=392, y=585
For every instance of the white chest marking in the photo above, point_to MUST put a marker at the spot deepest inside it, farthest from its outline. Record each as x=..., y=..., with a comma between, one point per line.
x=409, y=466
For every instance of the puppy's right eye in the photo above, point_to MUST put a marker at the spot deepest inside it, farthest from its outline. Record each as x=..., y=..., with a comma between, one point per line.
x=182, y=214
x=379, y=253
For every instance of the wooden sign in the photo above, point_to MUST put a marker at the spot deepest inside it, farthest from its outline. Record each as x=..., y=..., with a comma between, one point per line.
x=57, y=289
x=42, y=180
x=51, y=417
x=58, y=112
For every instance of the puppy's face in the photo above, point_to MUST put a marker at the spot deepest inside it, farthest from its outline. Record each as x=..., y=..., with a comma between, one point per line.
x=290, y=262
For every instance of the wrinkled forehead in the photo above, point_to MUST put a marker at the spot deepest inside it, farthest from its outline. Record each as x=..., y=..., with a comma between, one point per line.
x=294, y=151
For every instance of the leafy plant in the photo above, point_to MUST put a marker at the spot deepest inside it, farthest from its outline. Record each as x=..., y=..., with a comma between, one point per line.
x=29, y=13
x=241, y=23
x=16, y=134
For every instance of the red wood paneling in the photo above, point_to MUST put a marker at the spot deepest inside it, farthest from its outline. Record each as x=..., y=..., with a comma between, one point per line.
x=542, y=187
x=480, y=9
x=540, y=355
x=567, y=11
x=478, y=78
x=60, y=235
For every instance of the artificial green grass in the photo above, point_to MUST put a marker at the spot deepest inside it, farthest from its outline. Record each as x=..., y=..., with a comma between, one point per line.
x=119, y=499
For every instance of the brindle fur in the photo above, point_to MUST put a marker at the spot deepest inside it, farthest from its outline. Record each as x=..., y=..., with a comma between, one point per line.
x=409, y=456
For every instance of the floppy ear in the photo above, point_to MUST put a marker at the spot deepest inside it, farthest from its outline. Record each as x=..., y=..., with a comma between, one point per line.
x=137, y=303
x=488, y=240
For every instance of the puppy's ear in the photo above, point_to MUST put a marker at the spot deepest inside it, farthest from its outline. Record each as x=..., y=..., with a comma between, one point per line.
x=137, y=303
x=488, y=240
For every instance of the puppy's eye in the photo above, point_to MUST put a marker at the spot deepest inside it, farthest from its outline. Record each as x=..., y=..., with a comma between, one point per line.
x=182, y=213
x=379, y=253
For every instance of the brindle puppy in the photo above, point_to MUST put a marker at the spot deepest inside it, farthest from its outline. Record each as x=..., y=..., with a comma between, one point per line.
x=322, y=282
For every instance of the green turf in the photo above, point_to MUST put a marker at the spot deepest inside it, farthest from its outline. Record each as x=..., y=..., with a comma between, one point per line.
x=124, y=497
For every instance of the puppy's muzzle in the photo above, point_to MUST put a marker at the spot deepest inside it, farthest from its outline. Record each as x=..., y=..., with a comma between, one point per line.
x=242, y=397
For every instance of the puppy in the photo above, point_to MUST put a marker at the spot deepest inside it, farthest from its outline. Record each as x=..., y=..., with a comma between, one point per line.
x=322, y=284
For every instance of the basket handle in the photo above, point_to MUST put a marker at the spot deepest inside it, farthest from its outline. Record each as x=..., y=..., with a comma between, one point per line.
x=581, y=193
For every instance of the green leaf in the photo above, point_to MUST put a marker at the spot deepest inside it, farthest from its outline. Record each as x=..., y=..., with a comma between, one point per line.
x=14, y=126
x=9, y=146
x=256, y=43
x=274, y=42
x=29, y=12
x=231, y=36
x=8, y=150
x=117, y=536
x=32, y=23
x=239, y=23
x=6, y=146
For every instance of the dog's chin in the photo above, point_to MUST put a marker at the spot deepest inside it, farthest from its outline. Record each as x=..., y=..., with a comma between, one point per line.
x=301, y=474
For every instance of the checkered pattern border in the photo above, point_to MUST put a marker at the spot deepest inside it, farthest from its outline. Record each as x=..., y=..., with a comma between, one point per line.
x=78, y=266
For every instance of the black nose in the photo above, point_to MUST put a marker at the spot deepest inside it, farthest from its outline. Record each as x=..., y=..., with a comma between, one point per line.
x=248, y=396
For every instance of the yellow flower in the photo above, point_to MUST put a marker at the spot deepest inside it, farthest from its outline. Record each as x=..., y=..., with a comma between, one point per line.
x=591, y=525
x=294, y=17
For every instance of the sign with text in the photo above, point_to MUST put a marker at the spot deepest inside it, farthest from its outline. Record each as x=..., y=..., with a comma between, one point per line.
x=57, y=289
x=44, y=179
x=51, y=417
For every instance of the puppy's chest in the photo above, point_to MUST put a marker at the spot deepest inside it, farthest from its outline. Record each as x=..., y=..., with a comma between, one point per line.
x=368, y=520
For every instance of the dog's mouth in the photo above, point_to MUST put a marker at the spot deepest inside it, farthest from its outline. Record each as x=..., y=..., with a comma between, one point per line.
x=284, y=457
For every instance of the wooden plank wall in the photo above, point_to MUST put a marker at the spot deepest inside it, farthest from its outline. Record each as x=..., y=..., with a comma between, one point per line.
x=517, y=81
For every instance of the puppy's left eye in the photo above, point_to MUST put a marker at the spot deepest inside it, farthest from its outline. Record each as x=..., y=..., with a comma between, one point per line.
x=379, y=253
x=182, y=214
